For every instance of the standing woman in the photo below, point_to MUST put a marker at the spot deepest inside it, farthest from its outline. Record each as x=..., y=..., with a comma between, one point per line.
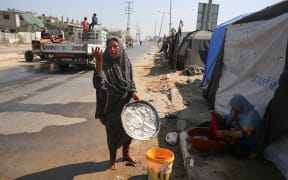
x=114, y=84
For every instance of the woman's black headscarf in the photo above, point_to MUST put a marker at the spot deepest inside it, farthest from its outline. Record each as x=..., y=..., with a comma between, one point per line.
x=115, y=85
x=118, y=71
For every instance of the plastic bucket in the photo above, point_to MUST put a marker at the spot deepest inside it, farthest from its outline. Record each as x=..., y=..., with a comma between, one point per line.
x=159, y=163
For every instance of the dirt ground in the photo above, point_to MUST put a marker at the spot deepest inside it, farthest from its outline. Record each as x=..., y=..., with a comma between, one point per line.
x=12, y=59
x=180, y=105
x=175, y=97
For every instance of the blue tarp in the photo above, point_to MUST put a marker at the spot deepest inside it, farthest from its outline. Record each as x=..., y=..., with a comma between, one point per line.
x=216, y=42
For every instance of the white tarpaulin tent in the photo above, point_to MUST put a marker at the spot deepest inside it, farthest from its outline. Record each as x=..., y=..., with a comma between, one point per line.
x=255, y=64
x=254, y=57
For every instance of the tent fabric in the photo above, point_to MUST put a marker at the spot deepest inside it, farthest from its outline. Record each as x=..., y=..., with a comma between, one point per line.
x=193, y=49
x=210, y=92
x=216, y=42
x=266, y=13
x=250, y=62
x=51, y=27
x=275, y=123
x=277, y=153
x=218, y=35
x=29, y=19
x=273, y=132
x=213, y=64
x=248, y=51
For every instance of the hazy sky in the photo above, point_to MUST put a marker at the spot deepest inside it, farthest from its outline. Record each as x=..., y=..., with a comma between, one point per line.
x=146, y=14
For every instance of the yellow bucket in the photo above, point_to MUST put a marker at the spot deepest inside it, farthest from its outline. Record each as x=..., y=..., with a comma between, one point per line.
x=159, y=163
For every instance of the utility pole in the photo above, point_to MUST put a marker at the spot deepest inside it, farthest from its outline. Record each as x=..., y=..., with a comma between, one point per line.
x=170, y=24
x=161, y=25
x=207, y=25
x=128, y=11
x=163, y=13
x=138, y=33
x=155, y=29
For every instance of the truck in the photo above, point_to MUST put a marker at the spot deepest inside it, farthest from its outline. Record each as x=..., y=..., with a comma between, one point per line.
x=36, y=49
x=76, y=52
x=129, y=41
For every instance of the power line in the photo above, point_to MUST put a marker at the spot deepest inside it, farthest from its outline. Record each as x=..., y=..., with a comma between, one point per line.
x=128, y=11
x=163, y=13
x=170, y=24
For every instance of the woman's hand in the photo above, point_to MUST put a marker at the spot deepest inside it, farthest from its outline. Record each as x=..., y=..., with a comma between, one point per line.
x=222, y=133
x=233, y=133
x=97, y=53
x=135, y=96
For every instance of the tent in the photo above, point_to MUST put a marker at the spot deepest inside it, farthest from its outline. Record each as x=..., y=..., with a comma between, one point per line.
x=51, y=27
x=249, y=59
x=28, y=19
x=193, y=49
x=213, y=61
x=216, y=42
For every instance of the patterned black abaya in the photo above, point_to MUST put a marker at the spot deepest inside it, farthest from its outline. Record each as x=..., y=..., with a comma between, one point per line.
x=114, y=87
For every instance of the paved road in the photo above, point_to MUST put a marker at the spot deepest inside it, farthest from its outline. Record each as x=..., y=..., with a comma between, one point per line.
x=48, y=130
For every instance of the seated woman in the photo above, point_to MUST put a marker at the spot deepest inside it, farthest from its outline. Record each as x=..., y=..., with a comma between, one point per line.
x=242, y=120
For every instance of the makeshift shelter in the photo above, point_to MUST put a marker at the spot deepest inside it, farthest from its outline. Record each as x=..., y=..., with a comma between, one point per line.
x=52, y=28
x=249, y=62
x=28, y=19
x=213, y=63
x=215, y=46
x=193, y=49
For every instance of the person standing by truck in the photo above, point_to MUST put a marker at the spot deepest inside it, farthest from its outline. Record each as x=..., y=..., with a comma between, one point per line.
x=85, y=26
x=94, y=21
x=114, y=84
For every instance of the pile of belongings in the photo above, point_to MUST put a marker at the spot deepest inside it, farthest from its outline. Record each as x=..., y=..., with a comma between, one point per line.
x=193, y=70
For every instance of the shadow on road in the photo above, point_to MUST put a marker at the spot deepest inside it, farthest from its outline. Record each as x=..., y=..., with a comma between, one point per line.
x=139, y=177
x=68, y=172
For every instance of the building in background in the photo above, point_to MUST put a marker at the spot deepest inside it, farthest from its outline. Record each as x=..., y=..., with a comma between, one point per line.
x=18, y=21
x=13, y=21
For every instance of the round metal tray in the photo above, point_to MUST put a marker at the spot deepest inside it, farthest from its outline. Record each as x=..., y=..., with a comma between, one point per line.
x=140, y=120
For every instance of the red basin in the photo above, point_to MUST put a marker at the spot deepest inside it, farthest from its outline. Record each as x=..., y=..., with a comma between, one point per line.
x=200, y=138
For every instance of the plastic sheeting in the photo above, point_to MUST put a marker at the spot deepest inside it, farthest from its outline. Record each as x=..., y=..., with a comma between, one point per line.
x=193, y=49
x=254, y=57
x=29, y=19
x=277, y=153
x=216, y=42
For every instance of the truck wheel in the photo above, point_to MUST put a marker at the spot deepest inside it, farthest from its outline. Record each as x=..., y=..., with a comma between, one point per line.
x=28, y=56
x=53, y=67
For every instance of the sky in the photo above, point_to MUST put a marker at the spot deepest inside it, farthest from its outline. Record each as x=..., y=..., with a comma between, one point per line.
x=146, y=15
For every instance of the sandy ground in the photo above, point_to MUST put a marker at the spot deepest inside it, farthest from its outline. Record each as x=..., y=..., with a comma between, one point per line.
x=181, y=106
x=174, y=96
x=12, y=59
